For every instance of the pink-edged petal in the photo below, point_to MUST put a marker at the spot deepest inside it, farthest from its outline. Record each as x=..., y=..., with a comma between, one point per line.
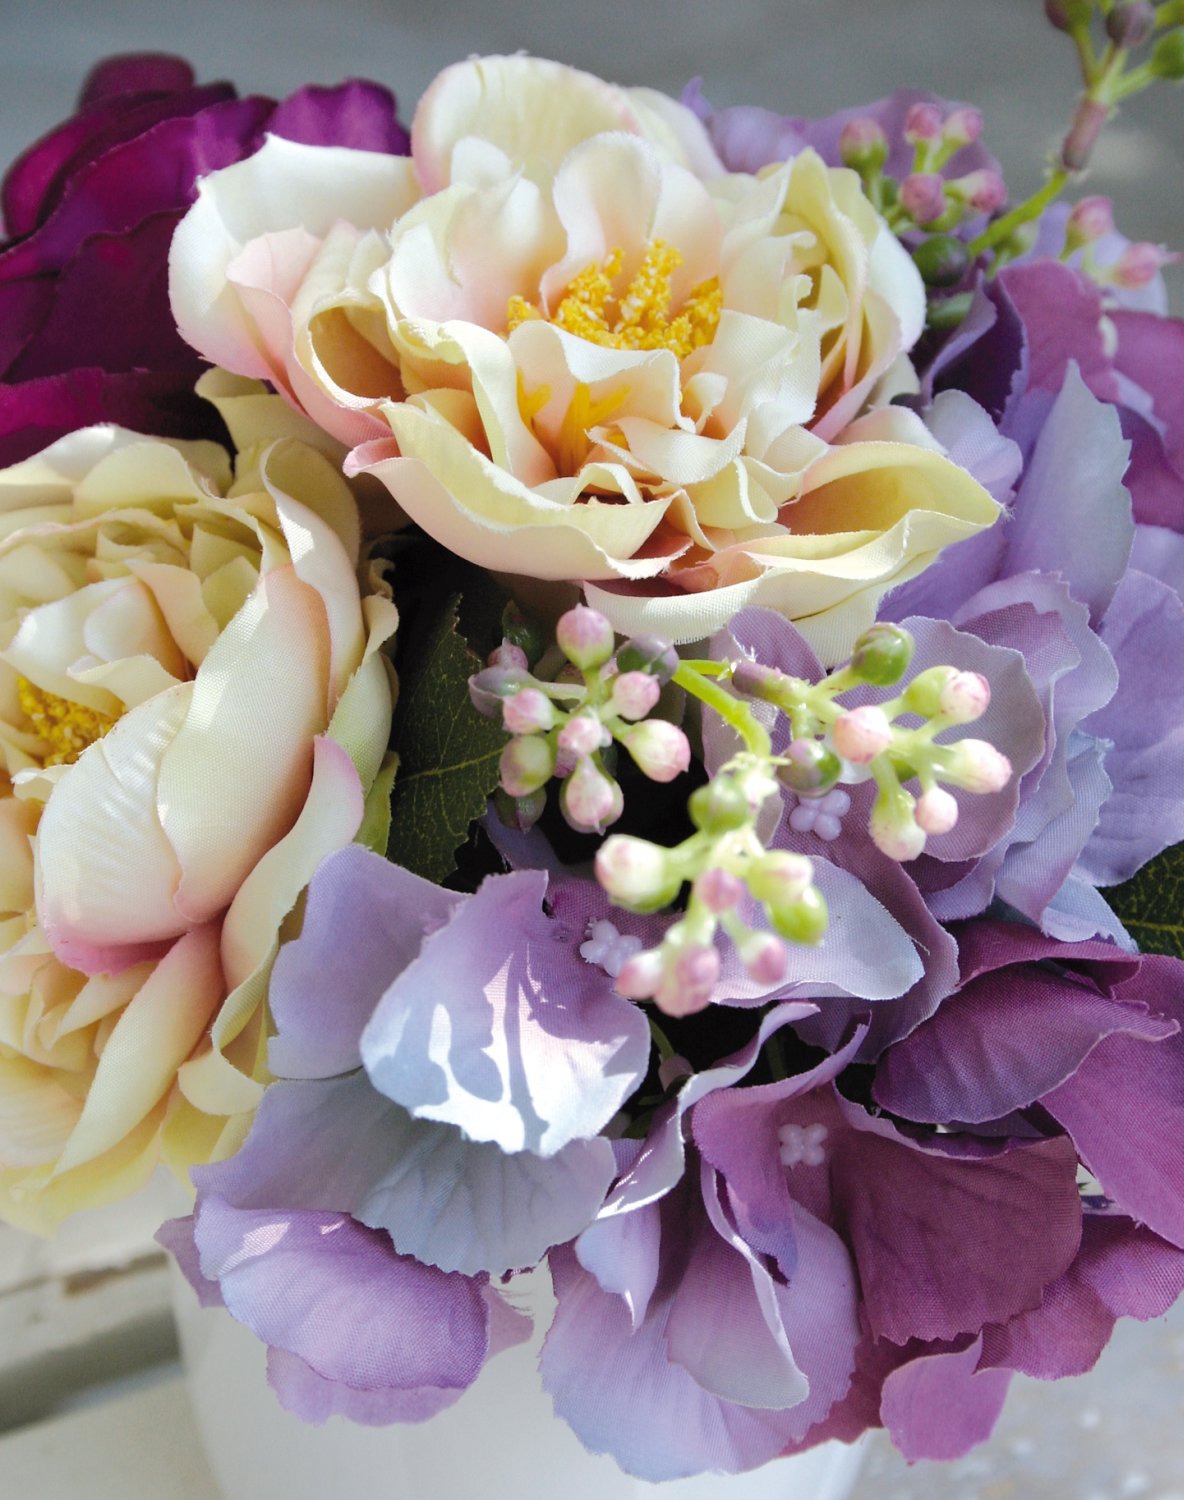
x=100, y=838
x=153, y=1036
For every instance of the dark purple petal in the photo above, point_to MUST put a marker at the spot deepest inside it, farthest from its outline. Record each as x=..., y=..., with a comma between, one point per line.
x=1062, y=315
x=357, y=114
x=1150, y=351
x=986, y=356
x=941, y=1405
x=1124, y=1108
x=136, y=73
x=1121, y=1270
x=945, y=1244
x=1004, y=1041
x=336, y=1295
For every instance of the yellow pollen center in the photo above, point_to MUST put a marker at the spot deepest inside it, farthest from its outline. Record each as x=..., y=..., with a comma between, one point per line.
x=637, y=316
x=68, y=728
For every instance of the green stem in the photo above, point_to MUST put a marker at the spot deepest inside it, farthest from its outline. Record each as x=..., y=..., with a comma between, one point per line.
x=661, y=1040
x=1022, y=214
x=775, y=1057
x=731, y=710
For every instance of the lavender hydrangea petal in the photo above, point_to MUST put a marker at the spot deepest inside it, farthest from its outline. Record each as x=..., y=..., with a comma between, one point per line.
x=376, y=913
x=620, y=1393
x=1061, y=312
x=176, y=1235
x=1144, y=725
x=338, y=1296
x=461, y=1205
x=313, y=1398
x=941, y=1405
x=1159, y=552
x=501, y=1028
x=1073, y=512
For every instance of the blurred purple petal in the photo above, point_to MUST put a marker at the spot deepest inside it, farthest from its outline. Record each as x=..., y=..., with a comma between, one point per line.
x=358, y=114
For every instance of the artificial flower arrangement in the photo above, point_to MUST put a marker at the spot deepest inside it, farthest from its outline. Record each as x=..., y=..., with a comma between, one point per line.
x=631, y=721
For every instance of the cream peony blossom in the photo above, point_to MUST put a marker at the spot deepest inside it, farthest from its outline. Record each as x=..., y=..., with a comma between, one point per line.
x=193, y=708
x=584, y=352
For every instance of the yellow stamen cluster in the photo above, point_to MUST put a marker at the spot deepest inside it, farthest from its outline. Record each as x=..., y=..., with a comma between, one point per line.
x=68, y=728
x=639, y=317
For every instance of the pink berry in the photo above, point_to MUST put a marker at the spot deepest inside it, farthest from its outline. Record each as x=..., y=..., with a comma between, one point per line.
x=583, y=734
x=528, y=712
x=936, y=811
x=585, y=637
x=661, y=750
x=965, y=697
x=922, y=123
x=923, y=196
x=634, y=694
x=719, y=889
x=862, y=733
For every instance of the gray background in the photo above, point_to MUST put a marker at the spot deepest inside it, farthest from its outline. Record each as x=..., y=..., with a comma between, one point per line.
x=1117, y=1434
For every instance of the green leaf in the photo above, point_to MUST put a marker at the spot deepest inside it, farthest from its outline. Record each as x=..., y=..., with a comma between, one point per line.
x=1151, y=904
x=448, y=752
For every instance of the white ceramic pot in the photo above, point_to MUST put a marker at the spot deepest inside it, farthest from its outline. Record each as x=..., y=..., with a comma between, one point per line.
x=501, y=1441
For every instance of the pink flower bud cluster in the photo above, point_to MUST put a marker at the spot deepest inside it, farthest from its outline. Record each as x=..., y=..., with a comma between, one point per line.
x=833, y=743
x=562, y=730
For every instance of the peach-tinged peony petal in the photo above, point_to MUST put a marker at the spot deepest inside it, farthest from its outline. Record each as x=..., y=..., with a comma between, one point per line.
x=237, y=771
x=676, y=131
x=103, y=842
x=283, y=186
x=36, y=1114
x=313, y=528
x=896, y=505
x=500, y=523
x=152, y=1037
x=501, y=100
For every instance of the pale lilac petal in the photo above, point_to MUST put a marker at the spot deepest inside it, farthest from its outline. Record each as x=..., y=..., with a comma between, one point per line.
x=461, y=1205
x=337, y=1295
x=376, y=913
x=941, y=1405
x=1144, y=723
x=312, y=1398
x=501, y=1028
x=1073, y=512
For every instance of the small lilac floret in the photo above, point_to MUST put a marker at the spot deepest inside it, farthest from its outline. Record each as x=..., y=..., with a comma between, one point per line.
x=965, y=697
x=718, y=889
x=936, y=810
x=863, y=144
x=923, y=196
x=802, y=1145
x=634, y=694
x=977, y=766
x=688, y=982
x=583, y=734
x=821, y=816
x=635, y=873
x=585, y=637
x=923, y=122
x=661, y=750
x=984, y=191
x=862, y=733
x=962, y=127
x=1090, y=219
x=589, y=800
x=766, y=958
x=526, y=764
x=508, y=655
x=527, y=712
